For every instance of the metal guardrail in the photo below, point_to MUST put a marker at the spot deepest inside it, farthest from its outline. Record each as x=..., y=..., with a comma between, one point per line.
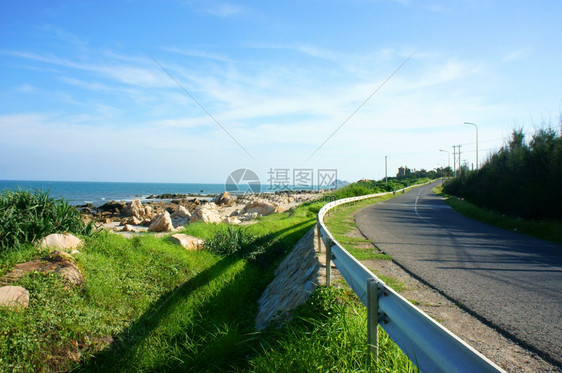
x=427, y=344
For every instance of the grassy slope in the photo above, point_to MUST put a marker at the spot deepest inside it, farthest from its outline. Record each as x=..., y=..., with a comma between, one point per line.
x=549, y=230
x=167, y=308
x=328, y=333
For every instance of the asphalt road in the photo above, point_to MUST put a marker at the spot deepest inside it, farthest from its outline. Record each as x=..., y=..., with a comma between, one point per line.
x=512, y=281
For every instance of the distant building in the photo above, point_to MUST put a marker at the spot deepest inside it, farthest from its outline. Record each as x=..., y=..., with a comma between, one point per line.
x=401, y=172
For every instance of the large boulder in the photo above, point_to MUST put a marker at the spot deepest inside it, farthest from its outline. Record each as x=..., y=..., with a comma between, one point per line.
x=61, y=241
x=112, y=207
x=181, y=213
x=128, y=228
x=206, y=213
x=14, y=297
x=133, y=220
x=56, y=262
x=161, y=223
x=248, y=216
x=231, y=220
x=261, y=208
x=225, y=199
x=136, y=209
x=187, y=241
x=180, y=217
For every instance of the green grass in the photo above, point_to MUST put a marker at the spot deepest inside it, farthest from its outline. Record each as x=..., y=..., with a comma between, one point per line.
x=549, y=230
x=340, y=222
x=26, y=217
x=124, y=278
x=327, y=334
x=165, y=308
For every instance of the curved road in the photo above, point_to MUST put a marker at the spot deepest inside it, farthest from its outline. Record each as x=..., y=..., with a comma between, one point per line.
x=512, y=281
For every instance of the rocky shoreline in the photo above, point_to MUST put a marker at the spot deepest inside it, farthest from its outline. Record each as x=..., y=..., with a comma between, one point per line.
x=170, y=212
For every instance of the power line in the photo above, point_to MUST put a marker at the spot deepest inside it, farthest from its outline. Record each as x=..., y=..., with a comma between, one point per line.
x=363, y=103
x=201, y=106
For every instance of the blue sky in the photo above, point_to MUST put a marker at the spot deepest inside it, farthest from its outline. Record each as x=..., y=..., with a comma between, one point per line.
x=81, y=97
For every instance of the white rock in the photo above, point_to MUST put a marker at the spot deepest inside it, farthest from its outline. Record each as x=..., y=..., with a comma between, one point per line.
x=231, y=220
x=261, y=207
x=14, y=297
x=179, y=222
x=161, y=223
x=135, y=208
x=225, y=199
x=187, y=241
x=128, y=228
x=248, y=216
x=61, y=241
x=133, y=220
x=206, y=213
x=181, y=212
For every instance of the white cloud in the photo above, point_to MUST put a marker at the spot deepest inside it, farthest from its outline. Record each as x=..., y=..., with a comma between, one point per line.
x=142, y=76
x=198, y=53
x=26, y=88
x=516, y=55
x=280, y=113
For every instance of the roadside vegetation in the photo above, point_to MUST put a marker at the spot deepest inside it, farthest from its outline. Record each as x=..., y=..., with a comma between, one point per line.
x=147, y=304
x=27, y=216
x=150, y=305
x=363, y=187
x=523, y=179
x=547, y=229
x=328, y=334
x=518, y=188
x=340, y=222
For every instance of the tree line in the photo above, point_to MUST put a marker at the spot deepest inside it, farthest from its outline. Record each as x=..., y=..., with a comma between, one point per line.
x=522, y=179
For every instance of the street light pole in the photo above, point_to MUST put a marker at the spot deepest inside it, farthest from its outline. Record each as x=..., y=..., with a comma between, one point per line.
x=448, y=157
x=385, y=171
x=475, y=126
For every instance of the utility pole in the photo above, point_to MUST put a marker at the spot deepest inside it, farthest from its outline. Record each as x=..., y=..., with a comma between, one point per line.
x=454, y=161
x=455, y=153
x=385, y=171
x=460, y=169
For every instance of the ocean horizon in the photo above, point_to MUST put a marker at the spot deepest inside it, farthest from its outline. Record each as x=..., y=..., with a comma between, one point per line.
x=98, y=192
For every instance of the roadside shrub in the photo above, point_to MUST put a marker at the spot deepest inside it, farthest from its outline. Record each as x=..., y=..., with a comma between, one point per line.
x=521, y=179
x=232, y=241
x=26, y=217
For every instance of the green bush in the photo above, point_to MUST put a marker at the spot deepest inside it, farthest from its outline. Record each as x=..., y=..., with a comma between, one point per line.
x=521, y=179
x=26, y=217
x=232, y=240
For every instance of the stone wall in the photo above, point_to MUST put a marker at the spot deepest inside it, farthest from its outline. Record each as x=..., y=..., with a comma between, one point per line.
x=295, y=279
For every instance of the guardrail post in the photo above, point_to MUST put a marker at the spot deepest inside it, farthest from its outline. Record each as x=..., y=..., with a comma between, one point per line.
x=328, y=261
x=373, y=317
x=319, y=236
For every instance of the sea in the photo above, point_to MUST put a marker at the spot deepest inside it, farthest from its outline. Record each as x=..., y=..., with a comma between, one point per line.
x=98, y=193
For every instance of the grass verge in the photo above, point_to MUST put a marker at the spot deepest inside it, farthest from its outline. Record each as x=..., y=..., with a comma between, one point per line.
x=340, y=222
x=327, y=334
x=150, y=305
x=147, y=304
x=549, y=230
